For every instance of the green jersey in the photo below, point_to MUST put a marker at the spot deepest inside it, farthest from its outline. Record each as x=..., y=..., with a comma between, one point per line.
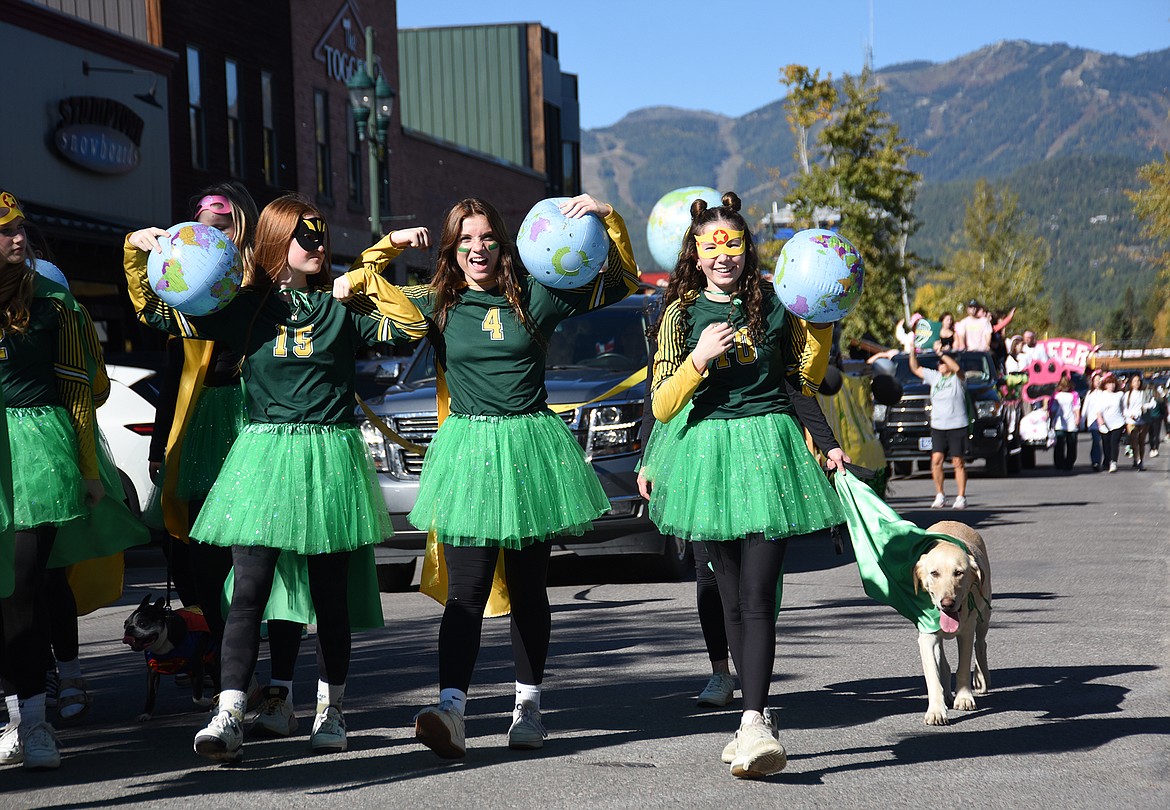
x=747, y=380
x=298, y=347
x=491, y=363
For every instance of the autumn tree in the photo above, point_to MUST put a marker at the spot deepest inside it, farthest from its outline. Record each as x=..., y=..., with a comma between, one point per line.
x=1152, y=205
x=860, y=168
x=810, y=101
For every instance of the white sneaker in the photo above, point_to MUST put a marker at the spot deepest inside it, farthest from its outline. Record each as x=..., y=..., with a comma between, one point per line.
x=1113, y=466
x=222, y=740
x=527, y=732
x=11, y=751
x=40, y=747
x=328, y=731
x=758, y=753
x=960, y=502
x=718, y=691
x=440, y=728
x=732, y=748
x=275, y=717
x=939, y=501
x=1153, y=452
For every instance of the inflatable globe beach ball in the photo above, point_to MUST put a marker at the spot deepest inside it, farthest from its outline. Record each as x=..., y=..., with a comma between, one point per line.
x=669, y=219
x=559, y=251
x=198, y=271
x=819, y=276
x=51, y=272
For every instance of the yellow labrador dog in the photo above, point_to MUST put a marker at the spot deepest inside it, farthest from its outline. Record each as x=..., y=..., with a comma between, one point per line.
x=959, y=584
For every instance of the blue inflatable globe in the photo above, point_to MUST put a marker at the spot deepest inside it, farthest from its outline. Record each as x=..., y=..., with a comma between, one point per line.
x=198, y=271
x=819, y=276
x=51, y=272
x=562, y=252
x=669, y=219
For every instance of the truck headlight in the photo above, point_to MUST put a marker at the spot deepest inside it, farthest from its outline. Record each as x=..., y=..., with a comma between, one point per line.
x=988, y=410
x=377, y=445
x=612, y=429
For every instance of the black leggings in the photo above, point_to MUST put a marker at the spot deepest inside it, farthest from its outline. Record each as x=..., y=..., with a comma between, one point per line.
x=709, y=604
x=328, y=582
x=1111, y=445
x=26, y=655
x=747, y=571
x=62, y=614
x=469, y=582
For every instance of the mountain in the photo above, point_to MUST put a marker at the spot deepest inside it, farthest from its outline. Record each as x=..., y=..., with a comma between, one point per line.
x=1065, y=128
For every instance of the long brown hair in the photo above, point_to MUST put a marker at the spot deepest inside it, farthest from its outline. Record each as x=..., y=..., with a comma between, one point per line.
x=449, y=282
x=688, y=276
x=15, y=309
x=274, y=230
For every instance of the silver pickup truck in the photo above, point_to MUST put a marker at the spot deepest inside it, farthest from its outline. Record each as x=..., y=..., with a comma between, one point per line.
x=588, y=355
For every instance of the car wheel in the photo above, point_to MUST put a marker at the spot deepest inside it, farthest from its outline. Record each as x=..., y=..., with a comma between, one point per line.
x=131, y=497
x=903, y=469
x=676, y=562
x=396, y=577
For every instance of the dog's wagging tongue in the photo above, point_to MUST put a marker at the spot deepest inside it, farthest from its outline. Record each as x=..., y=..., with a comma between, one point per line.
x=948, y=622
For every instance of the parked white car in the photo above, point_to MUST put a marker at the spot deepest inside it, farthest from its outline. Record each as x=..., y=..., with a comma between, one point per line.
x=127, y=422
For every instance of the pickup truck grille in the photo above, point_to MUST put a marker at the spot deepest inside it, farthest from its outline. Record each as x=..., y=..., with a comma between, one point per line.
x=911, y=412
x=420, y=428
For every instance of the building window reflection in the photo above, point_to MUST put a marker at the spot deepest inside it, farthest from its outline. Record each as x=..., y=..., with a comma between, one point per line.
x=271, y=175
x=195, y=110
x=321, y=134
x=234, y=128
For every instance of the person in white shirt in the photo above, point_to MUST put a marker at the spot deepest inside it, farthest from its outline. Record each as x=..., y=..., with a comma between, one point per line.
x=949, y=424
x=1137, y=404
x=1089, y=409
x=973, y=333
x=1066, y=416
x=1110, y=420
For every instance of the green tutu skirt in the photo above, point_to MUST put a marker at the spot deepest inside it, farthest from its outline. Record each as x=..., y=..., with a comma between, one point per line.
x=290, y=599
x=664, y=437
x=218, y=419
x=299, y=487
x=506, y=481
x=107, y=528
x=46, y=481
x=723, y=479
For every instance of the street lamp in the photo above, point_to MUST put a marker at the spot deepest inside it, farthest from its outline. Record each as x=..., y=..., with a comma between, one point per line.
x=372, y=99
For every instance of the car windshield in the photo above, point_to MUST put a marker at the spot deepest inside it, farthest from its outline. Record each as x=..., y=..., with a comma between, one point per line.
x=976, y=366
x=610, y=339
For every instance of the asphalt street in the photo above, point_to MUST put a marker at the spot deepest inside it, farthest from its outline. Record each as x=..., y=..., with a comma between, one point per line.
x=1077, y=715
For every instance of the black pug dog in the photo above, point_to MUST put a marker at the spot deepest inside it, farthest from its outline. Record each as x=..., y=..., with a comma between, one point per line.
x=173, y=642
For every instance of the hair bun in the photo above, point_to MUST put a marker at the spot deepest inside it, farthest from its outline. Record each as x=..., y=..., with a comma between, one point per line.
x=697, y=208
x=731, y=201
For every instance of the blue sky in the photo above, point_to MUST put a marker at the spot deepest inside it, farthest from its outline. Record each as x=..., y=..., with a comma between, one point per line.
x=685, y=53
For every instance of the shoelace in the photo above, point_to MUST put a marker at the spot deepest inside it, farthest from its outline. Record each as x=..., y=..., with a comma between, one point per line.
x=531, y=717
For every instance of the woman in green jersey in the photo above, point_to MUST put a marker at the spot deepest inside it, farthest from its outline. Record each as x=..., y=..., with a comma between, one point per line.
x=53, y=377
x=728, y=463
x=298, y=478
x=503, y=472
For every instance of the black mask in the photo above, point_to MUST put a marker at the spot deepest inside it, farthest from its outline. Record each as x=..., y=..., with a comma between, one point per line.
x=311, y=233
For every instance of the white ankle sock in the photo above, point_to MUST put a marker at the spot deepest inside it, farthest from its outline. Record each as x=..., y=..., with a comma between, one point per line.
x=527, y=693
x=329, y=694
x=287, y=685
x=69, y=669
x=13, y=703
x=32, y=710
x=234, y=701
x=456, y=696
x=748, y=717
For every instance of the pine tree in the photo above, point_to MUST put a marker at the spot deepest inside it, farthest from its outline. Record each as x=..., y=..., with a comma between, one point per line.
x=999, y=259
x=861, y=170
x=1068, y=315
